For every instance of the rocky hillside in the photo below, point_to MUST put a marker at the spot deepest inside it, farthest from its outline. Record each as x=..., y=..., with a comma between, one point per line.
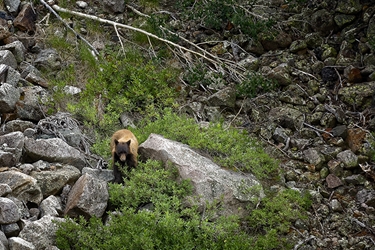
x=318, y=120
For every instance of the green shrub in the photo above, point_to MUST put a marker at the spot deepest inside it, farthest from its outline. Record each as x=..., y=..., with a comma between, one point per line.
x=253, y=85
x=125, y=84
x=275, y=216
x=167, y=224
x=216, y=14
x=200, y=75
x=151, y=183
x=229, y=147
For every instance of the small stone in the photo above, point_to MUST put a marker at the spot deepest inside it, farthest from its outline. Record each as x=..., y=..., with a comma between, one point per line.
x=82, y=4
x=329, y=74
x=335, y=205
x=333, y=181
x=324, y=172
x=335, y=167
x=349, y=159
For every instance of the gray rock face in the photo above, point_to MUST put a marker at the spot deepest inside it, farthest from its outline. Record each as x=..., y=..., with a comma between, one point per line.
x=4, y=190
x=48, y=60
x=51, y=206
x=287, y=117
x=16, y=125
x=7, y=159
x=349, y=159
x=322, y=21
x=114, y=6
x=8, y=211
x=31, y=106
x=53, y=150
x=313, y=156
x=9, y=96
x=4, y=243
x=7, y=58
x=225, y=97
x=52, y=182
x=88, y=197
x=19, y=243
x=101, y=174
x=24, y=187
x=10, y=230
x=17, y=49
x=11, y=148
x=211, y=183
x=41, y=233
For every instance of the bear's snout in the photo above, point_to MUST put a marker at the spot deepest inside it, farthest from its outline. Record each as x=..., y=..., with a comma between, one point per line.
x=123, y=157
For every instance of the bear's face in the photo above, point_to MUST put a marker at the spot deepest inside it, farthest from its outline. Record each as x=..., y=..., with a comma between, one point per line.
x=122, y=149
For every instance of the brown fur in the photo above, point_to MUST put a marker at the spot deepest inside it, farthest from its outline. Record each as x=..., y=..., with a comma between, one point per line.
x=124, y=149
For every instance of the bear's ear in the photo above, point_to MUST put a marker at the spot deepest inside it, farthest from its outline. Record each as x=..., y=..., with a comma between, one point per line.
x=116, y=141
x=128, y=142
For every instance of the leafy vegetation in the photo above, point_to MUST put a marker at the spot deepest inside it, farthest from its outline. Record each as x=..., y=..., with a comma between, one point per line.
x=155, y=210
x=253, y=85
x=124, y=84
x=275, y=217
x=229, y=147
x=166, y=224
x=152, y=214
x=222, y=14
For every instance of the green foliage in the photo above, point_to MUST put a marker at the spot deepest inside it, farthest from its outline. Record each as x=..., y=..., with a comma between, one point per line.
x=199, y=74
x=71, y=75
x=125, y=84
x=151, y=183
x=59, y=43
x=295, y=2
x=168, y=224
x=275, y=216
x=229, y=147
x=253, y=85
x=216, y=14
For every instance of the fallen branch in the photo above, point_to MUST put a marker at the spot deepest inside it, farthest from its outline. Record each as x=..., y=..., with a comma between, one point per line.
x=319, y=130
x=229, y=65
x=70, y=28
x=300, y=243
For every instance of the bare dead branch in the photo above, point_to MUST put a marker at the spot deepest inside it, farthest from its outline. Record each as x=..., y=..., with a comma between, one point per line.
x=68, y=27
x=230, y=66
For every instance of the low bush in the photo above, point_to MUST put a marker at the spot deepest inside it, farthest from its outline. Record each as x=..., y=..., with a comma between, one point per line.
x=253, y=85
x=219, y=14
x=229, y=147
x=166, y=224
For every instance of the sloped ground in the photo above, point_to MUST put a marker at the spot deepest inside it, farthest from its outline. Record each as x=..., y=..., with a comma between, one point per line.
x=318, y=120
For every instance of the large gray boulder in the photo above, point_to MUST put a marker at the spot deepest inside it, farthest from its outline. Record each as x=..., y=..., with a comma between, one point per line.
x=52, y=182
x=53, y=150
x=211, y=182
x=41, y=233
x=52, y=206
x=88, y=197
x=8, y=211
x=24, y=187
x=32, y=106
x=11, y=146
x=9, y=96
x=7, y=58
x=19, y=243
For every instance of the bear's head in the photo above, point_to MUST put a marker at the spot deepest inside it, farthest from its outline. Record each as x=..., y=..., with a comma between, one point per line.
x=122, y=149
